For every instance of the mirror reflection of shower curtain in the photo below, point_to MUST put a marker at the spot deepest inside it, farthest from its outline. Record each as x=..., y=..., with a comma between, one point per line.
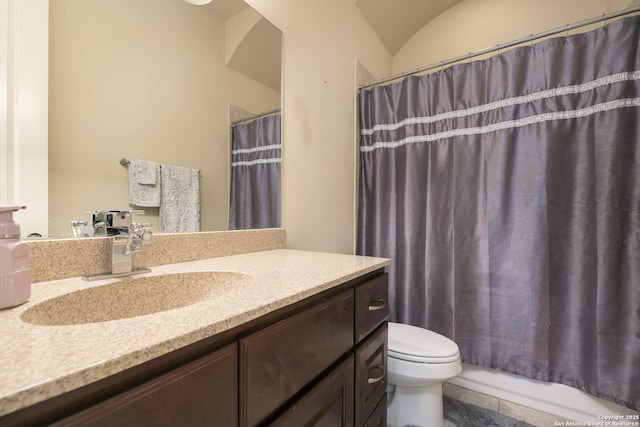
x=255, y=174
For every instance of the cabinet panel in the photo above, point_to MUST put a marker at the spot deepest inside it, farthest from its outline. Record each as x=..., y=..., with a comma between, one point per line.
x=371, y=305
x=328, y=404
x=379, y=416
x=371, y=374
x=278, y=361
x=200, y=393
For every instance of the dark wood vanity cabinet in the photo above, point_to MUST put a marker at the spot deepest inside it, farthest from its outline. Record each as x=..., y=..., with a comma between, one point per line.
x=371, y=305
x=371, y=375
x=200, y=393
x=329, y=404
x=280, y=360
x=379, y=416
x=319, y=362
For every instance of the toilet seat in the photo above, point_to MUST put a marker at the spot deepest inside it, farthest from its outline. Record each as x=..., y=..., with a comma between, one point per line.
x=420, y=345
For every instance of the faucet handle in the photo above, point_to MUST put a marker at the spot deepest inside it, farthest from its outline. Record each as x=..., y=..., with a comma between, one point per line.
x=146, y=235
x=139, y=234
x=81, y=229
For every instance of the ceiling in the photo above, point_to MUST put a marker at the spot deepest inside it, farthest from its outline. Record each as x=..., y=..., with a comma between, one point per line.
x=395, y=21
x=259, y=54
x=228, y=8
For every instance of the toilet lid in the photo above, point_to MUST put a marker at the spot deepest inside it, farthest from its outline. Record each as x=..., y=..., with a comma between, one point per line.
x=415, y=344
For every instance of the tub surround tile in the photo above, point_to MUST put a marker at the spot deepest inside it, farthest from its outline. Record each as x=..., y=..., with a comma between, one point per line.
x=463, y=414
x=505, y=407
x=473, y=397
x=530, y=415
x=64, y=258
x=39, y=362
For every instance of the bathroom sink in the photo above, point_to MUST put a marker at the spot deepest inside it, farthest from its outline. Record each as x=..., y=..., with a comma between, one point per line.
x=133, y=297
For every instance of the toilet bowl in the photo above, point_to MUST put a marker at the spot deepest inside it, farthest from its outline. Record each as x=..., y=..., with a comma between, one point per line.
x=418, y=362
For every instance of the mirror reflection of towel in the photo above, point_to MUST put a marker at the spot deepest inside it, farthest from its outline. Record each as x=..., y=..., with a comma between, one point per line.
x=180, y=202
x=144, y=188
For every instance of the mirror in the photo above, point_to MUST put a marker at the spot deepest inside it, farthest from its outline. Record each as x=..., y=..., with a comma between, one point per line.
x=156, y=80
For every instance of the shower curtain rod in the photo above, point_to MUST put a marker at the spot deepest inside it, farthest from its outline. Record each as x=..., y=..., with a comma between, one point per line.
x=532, y=37
x=257, y=116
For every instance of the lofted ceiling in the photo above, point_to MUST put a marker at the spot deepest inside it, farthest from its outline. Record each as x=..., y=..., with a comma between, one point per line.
x=396, y=21
x=258, y=51
x=227, y=9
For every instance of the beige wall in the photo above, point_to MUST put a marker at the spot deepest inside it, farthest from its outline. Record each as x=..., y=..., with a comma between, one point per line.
x=321, y=42
x=142, y=79
x=474, y=25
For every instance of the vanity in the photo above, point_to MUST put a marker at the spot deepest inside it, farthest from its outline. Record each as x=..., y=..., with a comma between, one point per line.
x=282, y=337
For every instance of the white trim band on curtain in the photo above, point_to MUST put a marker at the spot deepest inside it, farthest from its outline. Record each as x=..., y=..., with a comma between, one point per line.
x=518, y=100
x=257, y=149
x=255, y=162
x=509, y=124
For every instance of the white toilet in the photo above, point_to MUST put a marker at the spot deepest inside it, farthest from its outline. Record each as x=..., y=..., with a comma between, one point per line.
x=419, y=361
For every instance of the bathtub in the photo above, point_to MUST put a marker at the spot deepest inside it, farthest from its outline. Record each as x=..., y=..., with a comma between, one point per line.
x=556, y=399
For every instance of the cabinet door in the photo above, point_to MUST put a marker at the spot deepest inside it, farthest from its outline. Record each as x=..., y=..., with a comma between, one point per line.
x=278, y=361
x=328, y=404
x=371, y=305
x=201, y=393
x=371, y=374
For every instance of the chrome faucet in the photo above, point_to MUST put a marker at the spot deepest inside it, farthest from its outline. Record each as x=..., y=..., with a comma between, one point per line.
x=127, y=237
x=123, y=246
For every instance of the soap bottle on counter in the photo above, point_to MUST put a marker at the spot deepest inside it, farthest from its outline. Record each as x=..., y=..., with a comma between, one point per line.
x=15, y=268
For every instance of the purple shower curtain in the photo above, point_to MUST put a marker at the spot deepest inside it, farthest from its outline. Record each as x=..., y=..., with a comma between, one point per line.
x=255, y=174
x=507, y=193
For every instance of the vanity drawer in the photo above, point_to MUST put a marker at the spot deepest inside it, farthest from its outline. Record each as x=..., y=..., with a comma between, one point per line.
x=371, y=374
x=371, y=305
x=200, y=393
x=329, y=403
x=379, y=416
x=280, y=360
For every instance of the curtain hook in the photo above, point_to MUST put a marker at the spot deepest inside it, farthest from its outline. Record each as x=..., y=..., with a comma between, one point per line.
x=604, y=21
x=566, y=34
x=531, y=40
x=469, y=57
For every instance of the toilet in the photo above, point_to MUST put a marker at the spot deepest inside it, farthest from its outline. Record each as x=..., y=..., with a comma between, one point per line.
x=418, y=362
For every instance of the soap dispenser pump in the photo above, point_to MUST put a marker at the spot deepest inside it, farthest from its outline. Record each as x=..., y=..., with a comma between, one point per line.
x=15, y=268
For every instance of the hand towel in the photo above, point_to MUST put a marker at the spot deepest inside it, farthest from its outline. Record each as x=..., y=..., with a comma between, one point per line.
x=147, y=172
x=180, y=202
x=144, y=185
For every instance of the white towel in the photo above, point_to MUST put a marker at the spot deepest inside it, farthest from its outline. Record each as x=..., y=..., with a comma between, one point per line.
x=147, y=172
x=144, y=185
x=180, y=204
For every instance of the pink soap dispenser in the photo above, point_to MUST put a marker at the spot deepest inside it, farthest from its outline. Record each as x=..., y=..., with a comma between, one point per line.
x=15, y=268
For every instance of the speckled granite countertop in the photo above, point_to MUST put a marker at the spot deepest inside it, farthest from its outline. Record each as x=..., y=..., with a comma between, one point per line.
x=39, y=362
